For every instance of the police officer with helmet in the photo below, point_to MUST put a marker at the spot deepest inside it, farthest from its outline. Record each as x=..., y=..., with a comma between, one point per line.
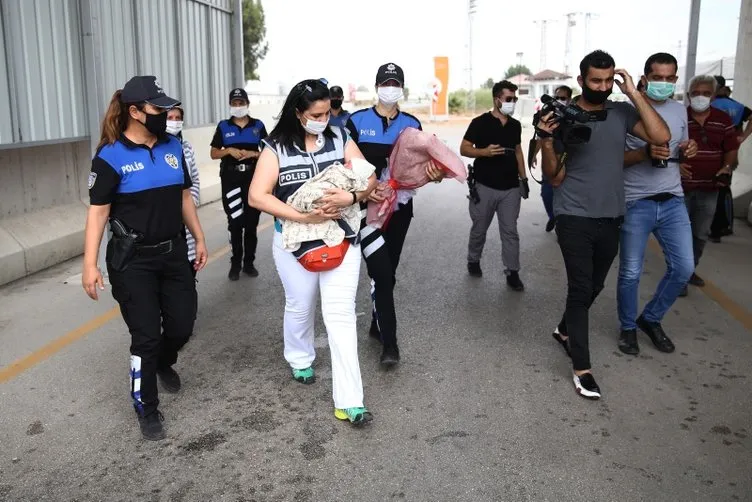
x=140, y=183
x=236, y=141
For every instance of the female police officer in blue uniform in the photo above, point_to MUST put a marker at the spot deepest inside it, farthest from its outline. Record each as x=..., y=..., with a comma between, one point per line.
x=236, y=142
x=375, y=130
x=139, y=181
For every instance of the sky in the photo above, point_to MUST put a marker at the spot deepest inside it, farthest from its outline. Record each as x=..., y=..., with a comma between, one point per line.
x=345, y=41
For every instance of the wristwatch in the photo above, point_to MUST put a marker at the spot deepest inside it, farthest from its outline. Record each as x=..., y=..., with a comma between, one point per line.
x=355, y=197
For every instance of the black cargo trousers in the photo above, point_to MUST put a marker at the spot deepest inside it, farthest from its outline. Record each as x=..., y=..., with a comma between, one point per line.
x=157, y=297
x=242, y=219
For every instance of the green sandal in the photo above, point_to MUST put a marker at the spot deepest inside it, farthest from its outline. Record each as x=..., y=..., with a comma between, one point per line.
x=305, y=376
x=357, y=416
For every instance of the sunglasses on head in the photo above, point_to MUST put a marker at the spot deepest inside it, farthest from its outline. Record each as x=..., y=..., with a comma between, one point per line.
x=306, y=84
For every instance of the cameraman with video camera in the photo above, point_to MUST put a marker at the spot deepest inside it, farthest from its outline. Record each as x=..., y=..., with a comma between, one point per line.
x=586, y=171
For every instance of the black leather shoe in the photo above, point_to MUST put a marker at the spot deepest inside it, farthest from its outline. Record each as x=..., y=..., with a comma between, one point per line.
x=656, y=334
x=473, y=268
x=250, y=270
x=628, y=342
x=514, y=282
x=170, y=379
x=695, y=280
x=234, y=273
x=390, y=356
x=151, y=426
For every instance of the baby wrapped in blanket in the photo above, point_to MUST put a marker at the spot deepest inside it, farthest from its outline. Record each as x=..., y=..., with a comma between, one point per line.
x=352, y=177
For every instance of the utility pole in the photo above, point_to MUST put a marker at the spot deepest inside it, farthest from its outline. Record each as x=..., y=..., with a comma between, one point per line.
x=543, y=24
x=694, y=26
x=568, y=40
x=589, y=16
x=470, y=105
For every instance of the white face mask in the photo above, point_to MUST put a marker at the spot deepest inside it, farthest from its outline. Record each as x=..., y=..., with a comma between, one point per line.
x=389, y=95
x=174, y=127
x=315, y=126
x=699, y=103
x=239, y=111
x=507, y=108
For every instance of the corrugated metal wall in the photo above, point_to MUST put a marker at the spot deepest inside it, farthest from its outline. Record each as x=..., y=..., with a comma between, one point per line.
x=42, y=40
x=187, y=44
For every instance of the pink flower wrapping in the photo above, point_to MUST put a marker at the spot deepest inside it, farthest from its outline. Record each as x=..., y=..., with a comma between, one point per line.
x=411, y=155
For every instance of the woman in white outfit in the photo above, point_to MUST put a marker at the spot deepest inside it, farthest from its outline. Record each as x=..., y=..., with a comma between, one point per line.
x=302, y=145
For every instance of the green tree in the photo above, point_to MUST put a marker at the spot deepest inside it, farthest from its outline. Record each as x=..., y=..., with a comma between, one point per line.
x=362, y=88
x=254, y=31
x=517, y=69
x=488, y=84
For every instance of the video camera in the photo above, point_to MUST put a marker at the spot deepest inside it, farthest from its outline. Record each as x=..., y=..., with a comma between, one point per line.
x=570, y=118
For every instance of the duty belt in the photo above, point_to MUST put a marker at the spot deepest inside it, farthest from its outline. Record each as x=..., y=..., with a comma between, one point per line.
x=164, y=247
x=242, y=167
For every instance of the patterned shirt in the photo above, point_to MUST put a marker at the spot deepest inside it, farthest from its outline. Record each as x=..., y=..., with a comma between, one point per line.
x=714, y=138
x=190, y=160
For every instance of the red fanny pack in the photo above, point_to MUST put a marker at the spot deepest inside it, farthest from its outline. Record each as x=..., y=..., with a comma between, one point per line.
x=325, y=258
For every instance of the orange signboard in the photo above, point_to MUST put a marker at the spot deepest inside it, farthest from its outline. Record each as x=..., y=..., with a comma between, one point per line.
x=440, y=104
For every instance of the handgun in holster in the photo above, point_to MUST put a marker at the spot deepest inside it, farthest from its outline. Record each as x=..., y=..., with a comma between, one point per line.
x=124, y=243
x=473, y=195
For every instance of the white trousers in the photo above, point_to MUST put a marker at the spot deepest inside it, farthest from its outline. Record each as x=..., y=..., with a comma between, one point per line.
x=338, y=289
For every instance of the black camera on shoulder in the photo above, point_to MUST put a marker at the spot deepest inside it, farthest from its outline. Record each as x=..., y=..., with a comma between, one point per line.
x=570, y=118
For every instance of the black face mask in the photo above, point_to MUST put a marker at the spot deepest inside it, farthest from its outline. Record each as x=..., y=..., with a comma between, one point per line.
x=336, y=103
x=595, y=97
x=156, y=124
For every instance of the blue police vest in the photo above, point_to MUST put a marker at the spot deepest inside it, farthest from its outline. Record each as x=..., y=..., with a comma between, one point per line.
x=340, y=120
x=734, y=109
x=142, y=169
x=370, y=128
x=233, y=134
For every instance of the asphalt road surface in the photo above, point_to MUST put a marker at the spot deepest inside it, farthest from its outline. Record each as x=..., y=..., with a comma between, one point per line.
x=481, y=408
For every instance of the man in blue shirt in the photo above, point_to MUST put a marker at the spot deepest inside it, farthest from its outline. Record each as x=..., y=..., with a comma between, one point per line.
x=723, y=221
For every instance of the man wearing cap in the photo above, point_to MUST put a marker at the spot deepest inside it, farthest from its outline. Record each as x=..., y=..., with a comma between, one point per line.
x=375, y=130
x=236, y=141
x=339, y=115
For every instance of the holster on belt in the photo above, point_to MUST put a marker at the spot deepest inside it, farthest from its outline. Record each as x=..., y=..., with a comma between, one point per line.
x=124, y=243
x=473, y=195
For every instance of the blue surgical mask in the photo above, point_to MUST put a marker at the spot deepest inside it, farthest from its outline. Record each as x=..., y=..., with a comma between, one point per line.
x=660, y=91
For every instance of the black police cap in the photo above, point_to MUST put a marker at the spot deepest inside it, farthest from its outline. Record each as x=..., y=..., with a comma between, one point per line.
x=336, y=92
x=390, y=71
x=146, y=89
x=238, y=93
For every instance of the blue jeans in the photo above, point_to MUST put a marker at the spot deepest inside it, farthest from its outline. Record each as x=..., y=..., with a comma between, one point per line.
x=547, y=194
x=669, y=222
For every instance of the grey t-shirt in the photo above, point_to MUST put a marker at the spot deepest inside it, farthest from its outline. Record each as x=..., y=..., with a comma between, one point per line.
x=594, y=182
x=643, y=180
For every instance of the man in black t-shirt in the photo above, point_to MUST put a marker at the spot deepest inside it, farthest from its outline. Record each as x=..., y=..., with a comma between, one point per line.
x=493, y=139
